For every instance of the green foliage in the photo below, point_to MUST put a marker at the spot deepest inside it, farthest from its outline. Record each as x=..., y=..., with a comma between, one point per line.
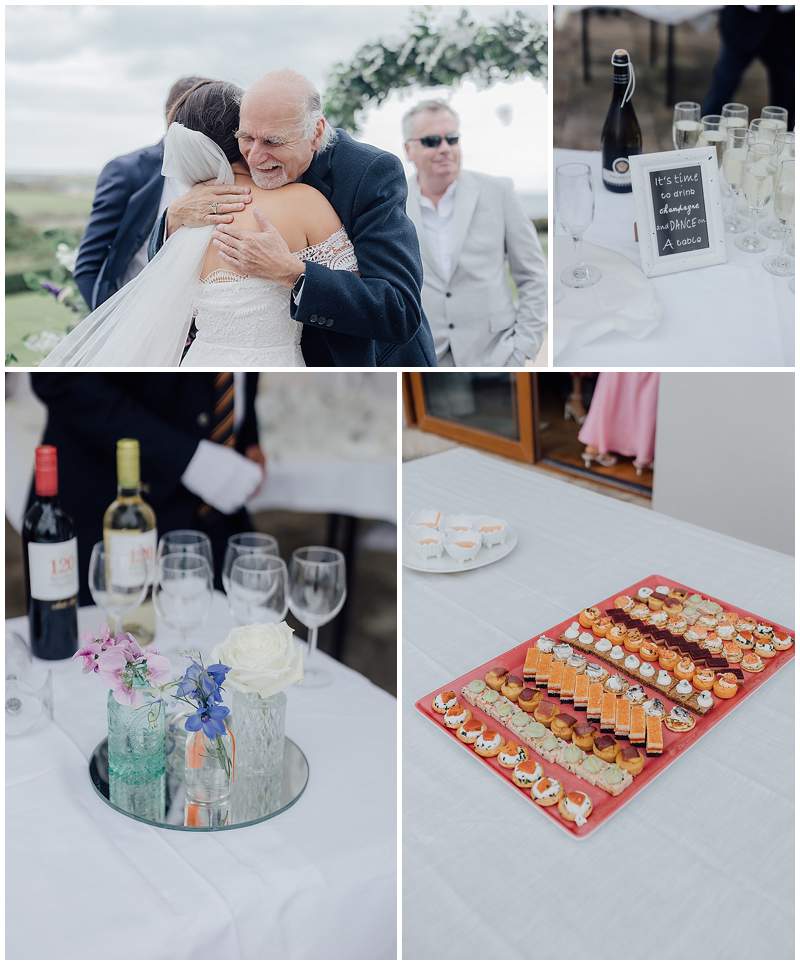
x=435, y=55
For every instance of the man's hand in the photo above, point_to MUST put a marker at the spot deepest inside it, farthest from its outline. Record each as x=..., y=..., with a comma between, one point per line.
x=196, y=209
x=260, y=254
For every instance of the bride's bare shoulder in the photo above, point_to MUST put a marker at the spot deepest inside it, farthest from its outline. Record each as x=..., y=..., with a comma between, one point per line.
x=309, y=208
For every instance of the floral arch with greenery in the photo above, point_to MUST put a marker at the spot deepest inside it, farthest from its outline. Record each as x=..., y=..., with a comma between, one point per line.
x=436, y=55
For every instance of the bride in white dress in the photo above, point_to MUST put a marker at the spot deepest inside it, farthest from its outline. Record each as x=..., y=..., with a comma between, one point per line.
x=237, y=320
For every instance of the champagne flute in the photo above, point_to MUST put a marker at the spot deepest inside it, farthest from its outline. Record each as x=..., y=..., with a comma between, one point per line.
x=116, y=587
x=29, y=688
x=733, y=169
x=713, y=135
x=246, y=543
x=186, y=541
x=783, y=199
x=575, y=203
x=784, y=149
x=757, y=185
x=686, y=126
x=259, y=586
x=317, y=591
x=774, y=119
x=182, y=591
x=761, y=131
x=735, y=115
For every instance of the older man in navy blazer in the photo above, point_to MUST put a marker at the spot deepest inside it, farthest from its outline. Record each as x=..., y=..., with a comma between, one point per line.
x=373, y=317
x=128, y=199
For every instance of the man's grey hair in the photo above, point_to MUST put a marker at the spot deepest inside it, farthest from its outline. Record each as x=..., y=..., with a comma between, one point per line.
x=421, y=107
x=313, y=113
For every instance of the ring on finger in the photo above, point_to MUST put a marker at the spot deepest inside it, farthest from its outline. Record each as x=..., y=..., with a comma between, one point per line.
x=213, y=207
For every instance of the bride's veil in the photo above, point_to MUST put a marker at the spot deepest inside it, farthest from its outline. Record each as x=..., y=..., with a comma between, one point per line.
x=147, y=322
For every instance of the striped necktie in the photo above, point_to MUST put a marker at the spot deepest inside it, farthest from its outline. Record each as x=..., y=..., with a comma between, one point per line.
x=222, y=430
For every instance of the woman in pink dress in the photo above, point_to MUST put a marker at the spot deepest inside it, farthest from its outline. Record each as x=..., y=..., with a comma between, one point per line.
x=622, y=419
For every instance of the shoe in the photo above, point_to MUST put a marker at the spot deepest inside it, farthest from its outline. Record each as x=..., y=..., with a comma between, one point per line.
x=574, y=409
x=640, y=467
x=604, y=459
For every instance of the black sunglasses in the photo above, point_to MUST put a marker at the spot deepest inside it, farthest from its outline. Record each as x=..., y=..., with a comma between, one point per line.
x=434, y=140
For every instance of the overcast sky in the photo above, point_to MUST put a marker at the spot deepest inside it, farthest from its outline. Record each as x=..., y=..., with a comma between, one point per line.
x=84, y=84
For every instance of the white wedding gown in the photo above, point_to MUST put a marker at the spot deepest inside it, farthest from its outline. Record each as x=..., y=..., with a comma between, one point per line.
x=239, y=320
x=246, y=321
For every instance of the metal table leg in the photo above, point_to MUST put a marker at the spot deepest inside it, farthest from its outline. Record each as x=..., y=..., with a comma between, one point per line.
x=587, y=74
x=653, y=43
x=670, y=65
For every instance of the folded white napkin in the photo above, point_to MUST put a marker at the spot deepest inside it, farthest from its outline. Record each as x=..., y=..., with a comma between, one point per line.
x=624, y=301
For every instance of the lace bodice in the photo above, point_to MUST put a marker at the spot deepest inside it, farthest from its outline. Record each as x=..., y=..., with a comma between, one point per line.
x=246, y=321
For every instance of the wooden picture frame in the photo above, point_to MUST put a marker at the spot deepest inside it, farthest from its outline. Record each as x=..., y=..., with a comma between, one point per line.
x=520, y=449
x=679, y=215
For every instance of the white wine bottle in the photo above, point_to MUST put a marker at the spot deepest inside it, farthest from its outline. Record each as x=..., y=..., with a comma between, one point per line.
x=129, y=535
x=622, y=136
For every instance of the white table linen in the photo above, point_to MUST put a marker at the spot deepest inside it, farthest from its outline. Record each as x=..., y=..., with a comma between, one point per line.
x=318, y=881
x=700, y=864
x=730, y=314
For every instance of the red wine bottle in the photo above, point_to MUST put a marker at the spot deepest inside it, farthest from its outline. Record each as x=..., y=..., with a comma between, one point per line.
x=50, y=553
x=622, y=136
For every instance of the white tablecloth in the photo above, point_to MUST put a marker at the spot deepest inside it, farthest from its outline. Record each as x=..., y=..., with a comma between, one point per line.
x=730, y=314
x=700, y=864
x=318, y=881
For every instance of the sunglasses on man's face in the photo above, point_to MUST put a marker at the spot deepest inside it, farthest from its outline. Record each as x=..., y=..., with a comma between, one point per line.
x=434, y=140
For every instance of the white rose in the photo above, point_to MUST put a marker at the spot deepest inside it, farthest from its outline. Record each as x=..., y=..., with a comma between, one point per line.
x=264, y=659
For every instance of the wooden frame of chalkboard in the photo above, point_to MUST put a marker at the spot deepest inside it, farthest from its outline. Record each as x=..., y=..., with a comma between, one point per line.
x=678, y=210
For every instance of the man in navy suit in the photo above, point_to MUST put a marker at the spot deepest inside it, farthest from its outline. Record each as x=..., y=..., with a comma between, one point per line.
x=128, y=199
x=373, y=317
x=193, y=482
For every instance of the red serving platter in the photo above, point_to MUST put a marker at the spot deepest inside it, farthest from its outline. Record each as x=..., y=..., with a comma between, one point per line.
x=604, y=805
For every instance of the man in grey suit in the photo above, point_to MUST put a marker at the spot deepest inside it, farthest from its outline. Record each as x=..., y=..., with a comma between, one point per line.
x=469, y=225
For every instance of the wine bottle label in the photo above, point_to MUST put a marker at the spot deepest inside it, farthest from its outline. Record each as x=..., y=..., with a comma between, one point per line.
x=132, y=557
x=53, y=570
x=619, y=172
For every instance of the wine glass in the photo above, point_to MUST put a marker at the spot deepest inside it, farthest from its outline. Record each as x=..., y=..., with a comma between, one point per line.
x=182, y=591
x=757, y=185
x=713, y=135
x=116, y=587
x=246, y=543
x=187, y=541
x=761, y=132
x=575, y=203
x=259, y=586
x=783, y=200
x=686, y=126
x=317, y=591
x=29, y=688
x=733, y=169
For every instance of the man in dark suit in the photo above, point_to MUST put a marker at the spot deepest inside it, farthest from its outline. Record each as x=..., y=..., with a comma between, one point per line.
x=200, y=456
x=373, y=317
x=128, y=198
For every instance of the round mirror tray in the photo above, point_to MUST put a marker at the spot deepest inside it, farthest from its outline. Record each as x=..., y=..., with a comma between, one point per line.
x=250, y=802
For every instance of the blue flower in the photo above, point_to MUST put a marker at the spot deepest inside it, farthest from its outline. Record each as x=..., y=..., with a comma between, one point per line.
x=210, y=719
x=188, y=685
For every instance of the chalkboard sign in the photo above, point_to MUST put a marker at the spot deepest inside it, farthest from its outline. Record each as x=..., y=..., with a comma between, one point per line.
x=678, y=210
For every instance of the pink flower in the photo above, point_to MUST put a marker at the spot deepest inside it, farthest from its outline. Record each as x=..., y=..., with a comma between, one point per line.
x=159, y=668
x=111, y=663
x=129, y=696
x=90, y=655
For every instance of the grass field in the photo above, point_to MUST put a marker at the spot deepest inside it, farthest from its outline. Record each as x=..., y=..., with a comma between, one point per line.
x=50, y=209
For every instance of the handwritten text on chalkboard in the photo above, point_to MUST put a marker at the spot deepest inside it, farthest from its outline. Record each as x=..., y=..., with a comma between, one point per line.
x=680, y=210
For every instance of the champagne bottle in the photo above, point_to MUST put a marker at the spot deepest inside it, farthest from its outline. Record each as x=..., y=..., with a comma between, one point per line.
x=129, y=535
x=50, y=554
x=621, y=137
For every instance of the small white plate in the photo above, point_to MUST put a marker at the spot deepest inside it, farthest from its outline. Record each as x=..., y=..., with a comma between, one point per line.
x=446, y=564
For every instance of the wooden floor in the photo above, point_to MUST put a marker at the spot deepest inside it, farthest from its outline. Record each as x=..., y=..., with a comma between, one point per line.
x=558, y=440
x=580, y=109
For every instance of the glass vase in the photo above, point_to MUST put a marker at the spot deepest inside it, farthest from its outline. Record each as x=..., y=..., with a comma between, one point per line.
x=210, y=764
x=137, y=760
x=260, y=725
